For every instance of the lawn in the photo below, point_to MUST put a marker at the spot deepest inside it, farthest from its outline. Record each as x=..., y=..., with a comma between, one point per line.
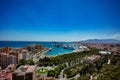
x=41, y=70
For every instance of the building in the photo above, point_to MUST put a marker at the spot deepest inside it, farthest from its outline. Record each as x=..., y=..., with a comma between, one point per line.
x=6, y=50
x=3, y=60
x=81, y=48
x=37, y=47
x=6, y=74
x=91, y=59
x=6, y=59
x=104, y=52
x=24, y=54
x=19, y=56
x=0, y=68
x=45, y=78
x=25, y=73
x=11, y=59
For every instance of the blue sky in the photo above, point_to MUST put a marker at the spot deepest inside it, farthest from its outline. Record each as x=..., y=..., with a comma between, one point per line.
x=59, y=20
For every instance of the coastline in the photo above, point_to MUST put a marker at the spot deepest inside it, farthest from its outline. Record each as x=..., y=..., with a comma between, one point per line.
x=44, y=52
x=40, y=55
x=59, y=54
x=54, y=51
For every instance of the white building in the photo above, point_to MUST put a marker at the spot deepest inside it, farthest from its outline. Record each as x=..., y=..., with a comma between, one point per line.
x=81, y=48
x=24, y=54
x=104, y=52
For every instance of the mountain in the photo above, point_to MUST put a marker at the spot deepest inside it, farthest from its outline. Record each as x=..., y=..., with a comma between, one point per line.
x=101, y=41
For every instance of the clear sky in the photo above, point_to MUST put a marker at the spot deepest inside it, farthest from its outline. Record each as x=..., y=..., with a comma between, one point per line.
x=59, y=20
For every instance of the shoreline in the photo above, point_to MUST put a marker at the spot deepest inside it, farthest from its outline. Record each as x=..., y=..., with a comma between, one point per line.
x=44, y=52
x=59, y=54
x=40, y=55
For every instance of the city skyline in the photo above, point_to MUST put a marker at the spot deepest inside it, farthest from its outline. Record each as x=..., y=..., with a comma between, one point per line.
x=59, y=20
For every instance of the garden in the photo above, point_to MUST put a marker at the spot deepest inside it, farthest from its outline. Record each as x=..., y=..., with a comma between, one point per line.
x=42, y=71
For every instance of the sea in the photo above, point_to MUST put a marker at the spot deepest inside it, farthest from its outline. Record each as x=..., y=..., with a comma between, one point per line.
x=53, y=52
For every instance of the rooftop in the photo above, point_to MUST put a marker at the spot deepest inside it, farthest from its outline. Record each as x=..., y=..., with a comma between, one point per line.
x=26, y=68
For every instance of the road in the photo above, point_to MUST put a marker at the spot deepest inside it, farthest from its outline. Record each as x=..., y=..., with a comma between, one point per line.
x=61, y=75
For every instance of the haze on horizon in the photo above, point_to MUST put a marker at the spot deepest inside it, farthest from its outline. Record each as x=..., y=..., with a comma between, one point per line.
x=59, y=20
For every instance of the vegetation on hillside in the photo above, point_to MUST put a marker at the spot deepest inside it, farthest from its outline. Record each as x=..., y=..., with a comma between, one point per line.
x=74, y=57
x=56, y=71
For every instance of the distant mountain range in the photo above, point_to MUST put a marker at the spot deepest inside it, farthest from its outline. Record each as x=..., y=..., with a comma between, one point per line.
x=101, y=41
